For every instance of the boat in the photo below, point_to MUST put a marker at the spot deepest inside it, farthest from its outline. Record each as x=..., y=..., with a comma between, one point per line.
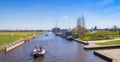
x=46, y=35
x=57, y=34
x=69, y=37
x=39, y=51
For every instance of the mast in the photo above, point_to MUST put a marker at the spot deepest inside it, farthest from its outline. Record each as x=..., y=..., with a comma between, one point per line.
x=56, y=23
x=56, y=26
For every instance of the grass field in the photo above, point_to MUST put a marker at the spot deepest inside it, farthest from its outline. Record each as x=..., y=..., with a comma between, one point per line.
x=18, y=33
x=110, y=43
x=99, y=35
x=9, y=37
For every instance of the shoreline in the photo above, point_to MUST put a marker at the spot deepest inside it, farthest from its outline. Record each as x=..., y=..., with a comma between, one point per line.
x=28, y=38
x=109, y=53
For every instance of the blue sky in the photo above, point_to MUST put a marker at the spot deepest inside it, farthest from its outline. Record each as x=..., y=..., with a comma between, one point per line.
x=42, y=14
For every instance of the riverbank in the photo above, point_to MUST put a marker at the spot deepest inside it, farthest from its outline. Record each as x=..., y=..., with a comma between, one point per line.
x=99, y=35
x=95, y=44
x=111, y=54
x=9, y=38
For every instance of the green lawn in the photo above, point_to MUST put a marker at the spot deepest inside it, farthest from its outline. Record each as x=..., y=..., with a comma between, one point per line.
x=109, y=43
x=99, y=35
x=9, y=37
x=18, y=33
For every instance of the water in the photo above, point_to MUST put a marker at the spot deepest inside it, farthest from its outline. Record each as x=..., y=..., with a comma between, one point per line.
x=57, y=50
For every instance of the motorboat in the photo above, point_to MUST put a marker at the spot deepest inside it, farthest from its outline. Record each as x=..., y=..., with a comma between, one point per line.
x=39, y=51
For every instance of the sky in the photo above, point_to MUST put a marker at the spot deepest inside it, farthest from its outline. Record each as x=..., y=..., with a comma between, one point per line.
x=42, y=14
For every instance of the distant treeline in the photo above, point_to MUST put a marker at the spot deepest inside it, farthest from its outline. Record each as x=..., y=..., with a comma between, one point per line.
x=108, y=29
x=22, y=30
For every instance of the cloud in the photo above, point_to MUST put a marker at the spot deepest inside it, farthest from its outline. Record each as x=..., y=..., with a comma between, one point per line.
x=105, y=2
x=66, y=17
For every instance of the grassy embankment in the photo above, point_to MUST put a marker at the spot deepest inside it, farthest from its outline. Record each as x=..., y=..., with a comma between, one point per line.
x=99, y=35
x=10, y=37
x=109, y=43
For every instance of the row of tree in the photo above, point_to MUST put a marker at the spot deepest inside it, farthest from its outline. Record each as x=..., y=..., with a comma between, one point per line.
x=80, y=28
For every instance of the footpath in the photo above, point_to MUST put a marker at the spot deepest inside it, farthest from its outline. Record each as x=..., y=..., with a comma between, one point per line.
x=112, y=55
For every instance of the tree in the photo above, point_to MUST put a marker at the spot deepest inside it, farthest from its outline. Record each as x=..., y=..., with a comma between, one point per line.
x=81, y=25
x=80, y=28
x=95, y=28
x=74, y=30
x=115, y=28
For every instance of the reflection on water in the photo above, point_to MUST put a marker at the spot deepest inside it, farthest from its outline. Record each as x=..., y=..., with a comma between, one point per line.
x=57, y=50
x=39, y=59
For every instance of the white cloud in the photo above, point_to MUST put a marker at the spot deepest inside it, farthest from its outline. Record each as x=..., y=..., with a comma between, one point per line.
x=105, y=2
x=66, y=17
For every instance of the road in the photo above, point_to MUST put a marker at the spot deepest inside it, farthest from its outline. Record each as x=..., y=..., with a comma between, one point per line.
x=57, y=50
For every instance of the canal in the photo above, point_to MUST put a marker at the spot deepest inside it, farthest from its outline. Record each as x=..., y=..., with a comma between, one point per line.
x=57, y=50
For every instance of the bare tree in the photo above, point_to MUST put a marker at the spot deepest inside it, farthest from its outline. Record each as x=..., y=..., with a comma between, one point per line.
x=81, y=25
